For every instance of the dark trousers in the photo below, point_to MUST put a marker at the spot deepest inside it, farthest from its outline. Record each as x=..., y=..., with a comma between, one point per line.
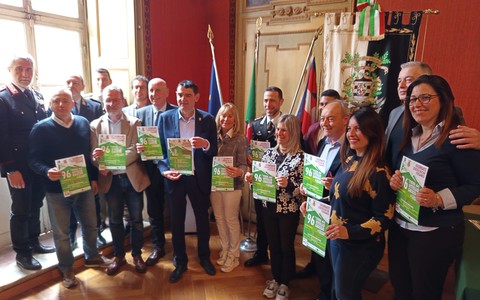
x=352, y=263
x=262, y=242
x=281, y=229
x=25, y=213
x=177, y=192
x=155, y=208
x=324, y=271
x=122, y=193
x=419, y=261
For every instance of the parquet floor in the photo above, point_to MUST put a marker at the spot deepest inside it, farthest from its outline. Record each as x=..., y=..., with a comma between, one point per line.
x=242, y=283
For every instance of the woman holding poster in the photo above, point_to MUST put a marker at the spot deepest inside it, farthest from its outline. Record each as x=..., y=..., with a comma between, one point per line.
x=281, y=217
x=362, y=205
x=232, y=144
x=420, y=254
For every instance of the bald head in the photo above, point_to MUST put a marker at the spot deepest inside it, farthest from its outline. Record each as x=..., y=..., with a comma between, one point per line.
x=158, y=92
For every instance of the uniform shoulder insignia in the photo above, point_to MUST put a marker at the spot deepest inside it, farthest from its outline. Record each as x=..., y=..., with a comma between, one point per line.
x=259, y=118
x=13, y=90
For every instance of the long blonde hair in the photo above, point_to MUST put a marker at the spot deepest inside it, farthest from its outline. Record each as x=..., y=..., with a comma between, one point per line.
x=223, y=109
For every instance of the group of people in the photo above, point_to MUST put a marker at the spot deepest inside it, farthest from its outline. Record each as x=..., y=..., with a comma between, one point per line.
x=361, y=177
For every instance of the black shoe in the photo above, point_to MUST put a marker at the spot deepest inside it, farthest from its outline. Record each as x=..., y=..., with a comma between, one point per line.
x=306, y=272
x=256, y=260
x=157, y=253
x=28, y=262
x=101, y=242
x=42, y=249
x=208, y=267
x=177, y=273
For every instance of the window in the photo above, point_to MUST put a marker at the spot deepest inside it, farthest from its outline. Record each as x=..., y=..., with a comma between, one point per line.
x=53, y=31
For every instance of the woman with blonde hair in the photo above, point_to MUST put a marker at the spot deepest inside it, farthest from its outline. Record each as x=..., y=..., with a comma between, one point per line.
x=281, y=218
x=226, y=205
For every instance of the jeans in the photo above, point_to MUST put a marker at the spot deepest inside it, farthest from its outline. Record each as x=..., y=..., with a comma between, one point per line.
x=59, y=210
x=25, y=213
x=122, y=192
x=352, y=263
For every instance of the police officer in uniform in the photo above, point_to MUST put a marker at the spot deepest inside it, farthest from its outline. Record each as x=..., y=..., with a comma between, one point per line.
x=264, y=130
x=20, y=108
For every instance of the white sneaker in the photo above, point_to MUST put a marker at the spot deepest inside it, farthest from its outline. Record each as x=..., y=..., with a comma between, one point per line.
x=69, y=279
x=223, y=257
x=230, y=263
x=271, y=289
x=282, y=292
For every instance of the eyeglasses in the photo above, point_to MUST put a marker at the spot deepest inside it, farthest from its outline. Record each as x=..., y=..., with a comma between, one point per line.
x=423, y=98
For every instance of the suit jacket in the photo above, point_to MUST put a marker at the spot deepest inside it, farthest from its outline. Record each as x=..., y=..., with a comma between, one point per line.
x=260, y=132
x=396, y=115
x=205, y=127
x=136, y=172
x=131, y=109
x=147, y=117
x=336, y=163
x=18, y=114
x=90, y=109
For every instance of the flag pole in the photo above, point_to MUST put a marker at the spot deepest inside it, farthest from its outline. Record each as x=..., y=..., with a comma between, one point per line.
x=315, y=37
x=210, y=39
x=249, y=244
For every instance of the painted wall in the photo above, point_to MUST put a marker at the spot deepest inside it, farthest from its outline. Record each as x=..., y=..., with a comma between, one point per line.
x=180, y=47
x=451, y=47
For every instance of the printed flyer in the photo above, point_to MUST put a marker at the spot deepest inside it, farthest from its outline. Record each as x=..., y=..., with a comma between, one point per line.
x=257, y=148
x=313, y=172
x=114, y=149
x=316, y=222
x=221, y=182
x=148, y=136
x=180, y=155
x=264, y=183
x=414, y=175
x=74, y=178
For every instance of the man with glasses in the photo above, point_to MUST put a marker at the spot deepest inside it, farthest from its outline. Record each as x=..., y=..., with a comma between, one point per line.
x=121, y=187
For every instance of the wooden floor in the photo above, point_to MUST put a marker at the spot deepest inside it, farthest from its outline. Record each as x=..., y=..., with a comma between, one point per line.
x=241, y=283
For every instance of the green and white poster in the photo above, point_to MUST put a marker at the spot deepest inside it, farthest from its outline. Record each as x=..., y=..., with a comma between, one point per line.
x=148, y=136
x=114, y=149
x=316, y=222
x=414, y=175
x=264, y=183
x=180, y=155
x=221, y=182
x=74, y=178
x=257, y=148
x=313, y=172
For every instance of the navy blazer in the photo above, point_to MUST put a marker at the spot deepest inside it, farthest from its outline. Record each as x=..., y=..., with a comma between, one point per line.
x=336, y=163
x=146, y=115
x=205, y=127
x=18, y=114
x=90, y=109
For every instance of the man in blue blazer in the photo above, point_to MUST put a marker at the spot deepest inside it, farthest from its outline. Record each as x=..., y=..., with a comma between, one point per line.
x=90, y=110
x=188, y=122
x=149, y=115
